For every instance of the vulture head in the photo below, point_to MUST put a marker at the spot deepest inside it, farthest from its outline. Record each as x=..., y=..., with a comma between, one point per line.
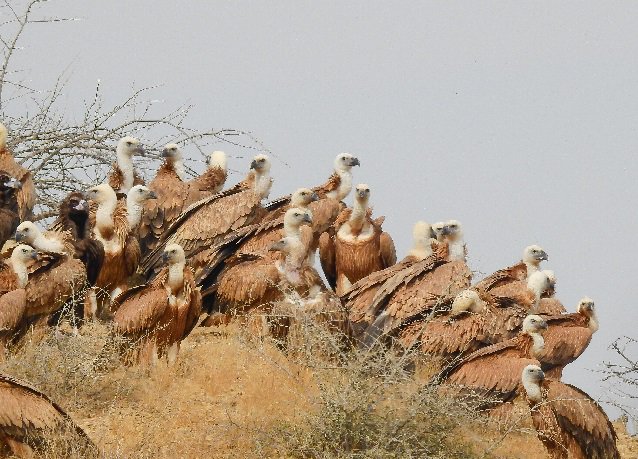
x=439, y=231
x=102, y=194
x=293, y=250
x=551, y=290
x=173, y=254
x=303, y=197
x=345, y=161
x=586, y=306
x=422, y=232
x=362, y=193
x=296, y=217
x=9, y=183
x=216, y=159
x=3, y=136
x=139, y=194
x=75, y=204
x=23, y=253
x=172, y=152
x=453, y=230
x=27, y=232
x=467, y=301
x=534, y=254
x=129, y=146
x=261, y=163
x=534, y=324
x=532, y=377
x=538, y=283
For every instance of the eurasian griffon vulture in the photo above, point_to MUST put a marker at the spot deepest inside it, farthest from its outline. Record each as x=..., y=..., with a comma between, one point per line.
x=569, y=423
x=26, y=195
x=9, y=211
x=357, y=246
x=123, y=176
x=158, y=316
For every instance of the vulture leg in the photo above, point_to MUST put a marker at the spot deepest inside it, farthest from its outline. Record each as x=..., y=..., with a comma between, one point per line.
x=172, y=353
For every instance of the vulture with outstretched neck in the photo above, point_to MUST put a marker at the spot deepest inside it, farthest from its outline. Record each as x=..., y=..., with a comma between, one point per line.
x=207, y=222
x=29, y=421
x=175, y=193
x=9, y=210
x=493, y=373
x=26, y=195
x=158, y=316
x=357, y=246
x=123, y=175
x=567, y=337
x=568, y=422
x=359, y=298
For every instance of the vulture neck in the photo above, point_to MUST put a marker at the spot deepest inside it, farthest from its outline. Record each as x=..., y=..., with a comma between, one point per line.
x=44, y=244
x=104, y=215
x=533, y=389
x=125, y=163
x=532, y=267
x=262, y=183
x=345, y=185
x=20, y=270
x=421, y=249
x=456, y=249
x=178, y=167
x=593, y=322
x=79, y=220
x=292, y=229
x=358, y=216
x=538, y=343
x=176, y=276
x=133, y=212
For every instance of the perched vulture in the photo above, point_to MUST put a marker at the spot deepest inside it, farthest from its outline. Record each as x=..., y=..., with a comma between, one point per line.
x=158, y=316
x=476, y=319
x=29, y=421
x=358, y=299
x=14, y=275
x=26, y=195
x=121, y=250
x=305, y=295
x=413, y=292
x=123, y=176
x=175, y=193
x=73, y=216
x=493, y=373
x=210, y=220
x=549, y=304
x=569, y=423
x=233, y=294
x=357, y=246
x=58, y=278
x=567, y=337
x=9, y=211
x=450, y=238
x=512, y=276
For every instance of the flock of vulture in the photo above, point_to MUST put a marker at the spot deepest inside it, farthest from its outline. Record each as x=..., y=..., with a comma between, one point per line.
x=158, y=259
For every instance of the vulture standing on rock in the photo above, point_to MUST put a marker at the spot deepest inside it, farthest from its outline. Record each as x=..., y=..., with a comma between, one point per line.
x=26, y=195
x=158, y=316
x=175, y=193
x=567, y=337
x=123, y=176
x=73, y=216
x=357, y=246
x=493, y=373
x=358, y=299
x=58, y=277
x=9, y=211
x=14, y=275
x=569, y=423
x=30, y=421
x=210, y=220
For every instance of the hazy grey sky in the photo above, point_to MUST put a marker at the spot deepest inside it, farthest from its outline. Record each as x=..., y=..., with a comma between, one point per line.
x=516, y=118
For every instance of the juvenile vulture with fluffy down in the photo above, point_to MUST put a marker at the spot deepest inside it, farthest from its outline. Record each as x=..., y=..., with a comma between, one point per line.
x=569, y=423
x=210, y=220
x=29, y=420
x=493, y=373
x=357, y=246
x=359, y=298
x=567, y=337
x=26, y=196
x=175, y=193
x=123, y=176
x=158, y=316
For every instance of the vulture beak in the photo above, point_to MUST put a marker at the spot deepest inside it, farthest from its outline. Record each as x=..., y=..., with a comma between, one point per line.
x=139, y=150
x=314, y=197
x=166, y=153
x=307, y=218
x=543, y=326
x=254, y=165
x=152, y=195
x=543, y=256
x=276, y=247
x=82, y=205
x=13, y=183
x=19, y=236
x=165, y=257
x=446, y=230
x=34, y=255
x=355, y=162
x=361, y=193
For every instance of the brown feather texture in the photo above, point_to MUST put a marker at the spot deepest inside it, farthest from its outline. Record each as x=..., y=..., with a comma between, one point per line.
x=26, y=196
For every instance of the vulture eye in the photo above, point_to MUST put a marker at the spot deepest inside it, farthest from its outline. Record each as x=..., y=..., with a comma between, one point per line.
x=129, y=143
x=24, y=250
